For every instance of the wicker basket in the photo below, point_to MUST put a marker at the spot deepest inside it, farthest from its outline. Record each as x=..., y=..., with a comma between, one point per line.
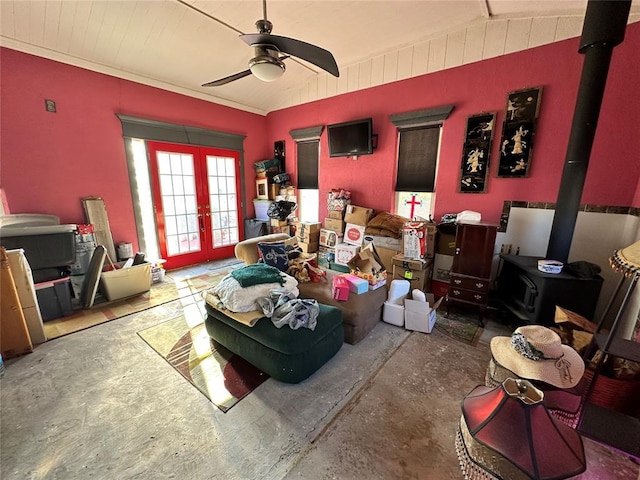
x=615, y=394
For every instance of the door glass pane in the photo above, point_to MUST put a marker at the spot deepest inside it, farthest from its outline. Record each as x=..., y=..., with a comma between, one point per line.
x=190, y=203
x=189, y=185
x=164, y=168
x=181, y=222
x=222, y=198
x=176, y=163
x=181, y=207
x=222, y=185
x=168, y=206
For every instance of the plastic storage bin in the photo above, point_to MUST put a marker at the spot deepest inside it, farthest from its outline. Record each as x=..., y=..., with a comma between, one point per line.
x=126, y=282
x=262, y=207
x=54, y=298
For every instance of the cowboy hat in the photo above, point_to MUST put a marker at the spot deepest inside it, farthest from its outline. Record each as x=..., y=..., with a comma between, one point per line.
x=535, y=352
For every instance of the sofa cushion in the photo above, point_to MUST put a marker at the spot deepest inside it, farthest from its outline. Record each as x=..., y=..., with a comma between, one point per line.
x=247, y=250
x=274, y=255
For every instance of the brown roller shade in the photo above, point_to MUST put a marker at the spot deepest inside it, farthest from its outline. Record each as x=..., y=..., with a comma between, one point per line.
x=308, y=153
x=417, y=156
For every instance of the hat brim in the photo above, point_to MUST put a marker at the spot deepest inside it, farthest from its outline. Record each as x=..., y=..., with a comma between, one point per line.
x=542, y=370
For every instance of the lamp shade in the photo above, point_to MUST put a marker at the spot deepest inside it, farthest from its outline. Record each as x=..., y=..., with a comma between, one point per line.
x=266, y=68
x=507, y=433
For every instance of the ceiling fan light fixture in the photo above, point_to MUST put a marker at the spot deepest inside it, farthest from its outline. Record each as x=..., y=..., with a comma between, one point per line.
x=266, y=68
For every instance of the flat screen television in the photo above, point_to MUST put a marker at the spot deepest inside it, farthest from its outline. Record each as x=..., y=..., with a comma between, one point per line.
x=349, y=139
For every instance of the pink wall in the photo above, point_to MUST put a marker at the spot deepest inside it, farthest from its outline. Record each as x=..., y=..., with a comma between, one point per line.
x=50, y=161
x=614, y=169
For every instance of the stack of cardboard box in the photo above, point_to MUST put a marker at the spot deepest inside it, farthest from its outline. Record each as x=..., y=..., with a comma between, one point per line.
x=353, y=224
x=415, y=264
x=308, y=235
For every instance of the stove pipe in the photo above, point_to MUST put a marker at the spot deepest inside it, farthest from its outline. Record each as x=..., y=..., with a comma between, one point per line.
x=604, y=26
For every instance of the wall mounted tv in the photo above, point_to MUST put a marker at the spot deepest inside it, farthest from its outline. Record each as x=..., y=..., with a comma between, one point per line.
x=350, y=139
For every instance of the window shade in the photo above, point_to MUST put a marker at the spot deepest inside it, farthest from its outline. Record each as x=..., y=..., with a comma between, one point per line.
x=417, y=156
x=308, y=153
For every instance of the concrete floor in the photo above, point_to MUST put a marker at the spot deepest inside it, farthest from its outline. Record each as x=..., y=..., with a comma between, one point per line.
x=102, y=404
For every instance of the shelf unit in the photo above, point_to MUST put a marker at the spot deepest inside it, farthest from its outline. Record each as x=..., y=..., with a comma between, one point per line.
x=614, y=428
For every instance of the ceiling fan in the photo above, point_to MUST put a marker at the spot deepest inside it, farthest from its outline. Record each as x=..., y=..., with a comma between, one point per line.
x=268, y=63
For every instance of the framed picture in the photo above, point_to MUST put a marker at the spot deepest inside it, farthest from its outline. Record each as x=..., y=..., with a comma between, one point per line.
x=475, y=153
x=518, y=129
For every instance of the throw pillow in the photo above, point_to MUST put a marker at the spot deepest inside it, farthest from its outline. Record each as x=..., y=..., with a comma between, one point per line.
x=275, y=255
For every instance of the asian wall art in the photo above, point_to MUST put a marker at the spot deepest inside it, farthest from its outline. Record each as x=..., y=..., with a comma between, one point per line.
x=518, y=131
x=475, y=153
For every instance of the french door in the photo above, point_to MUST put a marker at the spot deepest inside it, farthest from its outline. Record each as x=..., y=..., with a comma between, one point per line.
x=196, y=193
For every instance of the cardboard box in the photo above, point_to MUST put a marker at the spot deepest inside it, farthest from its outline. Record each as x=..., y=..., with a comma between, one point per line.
x=274, y=222
x=421, y=316
x=340, y=288
x=284, y=229
x=441, y=267
x=380, y=283
x=445, y=243
x=386, y=257
x=126, y=282
x=337, y=214
x=334, y=224
x=418, y=239
x=307, y=227
x=357, y=215
x=417, y=272
x=329, y=238
x=345, y=252
x=354, y=234
x=308, y=247
x=366, y=264
x=325, y=257
x=307, y=237
x=357, y=285
x=409, y=263
x=338, y=268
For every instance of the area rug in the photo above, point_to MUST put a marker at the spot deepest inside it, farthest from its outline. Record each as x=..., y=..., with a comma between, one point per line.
x=160, y=293
x=462, y=326
x=224, y=378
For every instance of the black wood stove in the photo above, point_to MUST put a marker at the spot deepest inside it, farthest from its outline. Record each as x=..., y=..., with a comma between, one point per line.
x=532, y=295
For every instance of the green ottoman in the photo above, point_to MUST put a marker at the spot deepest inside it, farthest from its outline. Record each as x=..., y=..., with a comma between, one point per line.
x=282, y=353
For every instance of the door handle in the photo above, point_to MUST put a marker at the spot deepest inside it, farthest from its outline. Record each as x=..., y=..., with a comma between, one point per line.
x=201, y=222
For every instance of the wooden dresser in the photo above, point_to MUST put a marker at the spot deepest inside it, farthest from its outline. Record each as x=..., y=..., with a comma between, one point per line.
x=470, y=275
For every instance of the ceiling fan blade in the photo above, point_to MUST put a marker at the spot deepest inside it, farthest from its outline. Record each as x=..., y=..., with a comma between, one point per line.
x=230, y=78
x=305, y=51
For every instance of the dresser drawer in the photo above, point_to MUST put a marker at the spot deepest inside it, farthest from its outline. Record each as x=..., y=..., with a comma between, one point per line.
x=469, y=283
x=471, y=296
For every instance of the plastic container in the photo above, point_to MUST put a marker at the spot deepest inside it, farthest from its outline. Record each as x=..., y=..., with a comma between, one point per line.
x=126, y=282
x=550, y=266
x=54, y=298
x=157, y=274
x=262, y=207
